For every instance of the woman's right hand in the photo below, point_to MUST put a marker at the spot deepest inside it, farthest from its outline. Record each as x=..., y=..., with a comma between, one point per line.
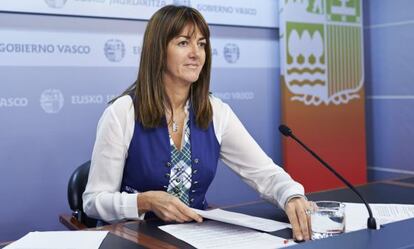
x=166, y=206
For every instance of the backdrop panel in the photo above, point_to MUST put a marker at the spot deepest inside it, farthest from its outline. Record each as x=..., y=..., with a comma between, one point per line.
x=322, y=78
x=389, y=39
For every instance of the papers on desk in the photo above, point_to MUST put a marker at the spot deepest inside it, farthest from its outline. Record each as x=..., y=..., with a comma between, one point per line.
x=244, y=220
x=356, y=214
x=60, y=240
x=213, y=234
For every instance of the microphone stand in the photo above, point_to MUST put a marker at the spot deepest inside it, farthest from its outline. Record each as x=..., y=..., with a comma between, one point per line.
x=371, y=223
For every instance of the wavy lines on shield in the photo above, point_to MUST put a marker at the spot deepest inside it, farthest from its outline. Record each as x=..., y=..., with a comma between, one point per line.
x=307, y=82
x=306, y=70
x=307, y=76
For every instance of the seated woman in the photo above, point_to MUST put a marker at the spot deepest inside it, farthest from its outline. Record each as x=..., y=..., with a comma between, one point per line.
x=158, y=144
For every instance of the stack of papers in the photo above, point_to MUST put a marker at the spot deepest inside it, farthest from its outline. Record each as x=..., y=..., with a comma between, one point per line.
x=356, y=214
x=212, y=234
x=244, y=220
x=60, y=239
x=234, y=234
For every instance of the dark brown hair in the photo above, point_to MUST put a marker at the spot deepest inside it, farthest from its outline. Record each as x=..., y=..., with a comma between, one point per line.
x=150, y=97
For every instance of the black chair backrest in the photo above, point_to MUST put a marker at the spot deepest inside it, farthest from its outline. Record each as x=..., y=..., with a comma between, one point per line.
x=76, y=187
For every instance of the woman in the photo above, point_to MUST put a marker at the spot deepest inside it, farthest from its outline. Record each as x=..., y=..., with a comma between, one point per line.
x=158, y=144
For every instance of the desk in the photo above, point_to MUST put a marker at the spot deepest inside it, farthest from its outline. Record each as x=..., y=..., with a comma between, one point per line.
x=409, y=181
x=395, y=235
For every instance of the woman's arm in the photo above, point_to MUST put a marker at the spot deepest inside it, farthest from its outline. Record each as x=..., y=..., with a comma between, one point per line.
x=245, y=157
x=102, y=198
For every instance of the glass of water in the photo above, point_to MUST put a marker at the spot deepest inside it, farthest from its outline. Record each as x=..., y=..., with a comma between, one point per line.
x=327, y=219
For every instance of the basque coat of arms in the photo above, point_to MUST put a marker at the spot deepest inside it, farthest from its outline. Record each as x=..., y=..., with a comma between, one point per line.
x=322, y=50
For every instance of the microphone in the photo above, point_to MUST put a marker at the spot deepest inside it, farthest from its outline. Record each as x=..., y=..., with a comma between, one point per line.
x=286, y=131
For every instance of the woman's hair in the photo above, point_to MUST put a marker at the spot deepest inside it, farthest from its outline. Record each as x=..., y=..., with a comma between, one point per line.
x=150, y=98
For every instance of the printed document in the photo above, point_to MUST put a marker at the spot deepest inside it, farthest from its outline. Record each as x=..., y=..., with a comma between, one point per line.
x=244, y=220
x=60, y=240
x=356, y=214
x=212, y=234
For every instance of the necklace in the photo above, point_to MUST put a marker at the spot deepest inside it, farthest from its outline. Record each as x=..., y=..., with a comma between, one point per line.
x=174, y=126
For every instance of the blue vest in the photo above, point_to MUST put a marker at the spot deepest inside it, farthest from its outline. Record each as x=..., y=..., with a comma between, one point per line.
x=148, y=164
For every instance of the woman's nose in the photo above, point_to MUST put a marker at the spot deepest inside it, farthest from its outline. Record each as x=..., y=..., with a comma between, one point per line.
x=195, y=50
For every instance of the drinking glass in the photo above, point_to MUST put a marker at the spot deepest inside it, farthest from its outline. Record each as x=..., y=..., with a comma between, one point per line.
x=327, y=219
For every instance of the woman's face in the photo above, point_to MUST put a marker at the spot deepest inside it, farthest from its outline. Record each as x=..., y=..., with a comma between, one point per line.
x=185, y=56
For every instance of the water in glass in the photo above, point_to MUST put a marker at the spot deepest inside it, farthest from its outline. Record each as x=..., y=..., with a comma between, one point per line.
x=328, y=219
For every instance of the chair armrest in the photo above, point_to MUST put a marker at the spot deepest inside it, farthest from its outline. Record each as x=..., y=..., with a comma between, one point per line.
x=71, y=222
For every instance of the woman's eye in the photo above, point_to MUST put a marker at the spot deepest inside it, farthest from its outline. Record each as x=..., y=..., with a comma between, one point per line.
x=183, y=43
x=202, y=44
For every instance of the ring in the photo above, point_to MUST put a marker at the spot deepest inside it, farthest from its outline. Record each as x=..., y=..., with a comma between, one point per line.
x=308, y=211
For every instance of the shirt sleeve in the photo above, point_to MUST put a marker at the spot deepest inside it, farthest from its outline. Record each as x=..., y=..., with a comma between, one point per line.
x=102, y=198
x=245, y=157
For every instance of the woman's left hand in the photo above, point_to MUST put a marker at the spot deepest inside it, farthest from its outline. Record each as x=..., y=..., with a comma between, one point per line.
x=298, y=217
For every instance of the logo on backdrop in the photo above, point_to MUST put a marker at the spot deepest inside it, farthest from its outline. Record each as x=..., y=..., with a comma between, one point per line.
x=322, y=61
x=51, y=101
x=114, y=50
x=57, y=4
x=231, y=52
x=182, y=3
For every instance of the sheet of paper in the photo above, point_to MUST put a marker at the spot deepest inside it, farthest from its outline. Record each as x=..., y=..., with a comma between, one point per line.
x=60, y=240
x=213, y=234
x=356, y=214
x=245, y=220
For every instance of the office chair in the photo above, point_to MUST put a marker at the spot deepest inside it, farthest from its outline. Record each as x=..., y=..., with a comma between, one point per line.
x=76, y=187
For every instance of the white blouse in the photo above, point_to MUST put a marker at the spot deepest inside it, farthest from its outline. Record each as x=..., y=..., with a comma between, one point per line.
x=102, y=198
